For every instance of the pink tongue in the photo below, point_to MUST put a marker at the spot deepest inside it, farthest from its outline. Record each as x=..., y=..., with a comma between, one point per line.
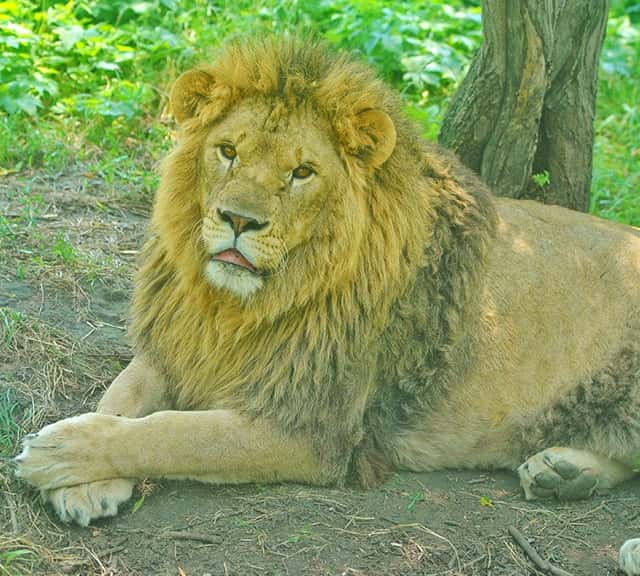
x=234, y=257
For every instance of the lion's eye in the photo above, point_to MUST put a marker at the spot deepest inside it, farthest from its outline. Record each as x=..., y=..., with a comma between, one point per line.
x=228, y=151
x=303, y=172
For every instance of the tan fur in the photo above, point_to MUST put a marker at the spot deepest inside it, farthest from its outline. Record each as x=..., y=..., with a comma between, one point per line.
x=402, y=317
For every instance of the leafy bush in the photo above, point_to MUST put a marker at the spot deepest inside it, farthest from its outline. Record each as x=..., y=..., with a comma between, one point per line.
x=61, y=58
x=105, y=58
x=616, y=177
x=417, y=46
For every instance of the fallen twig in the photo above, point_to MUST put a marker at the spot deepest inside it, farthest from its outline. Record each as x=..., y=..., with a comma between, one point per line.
x=12, y=514
x=533, y=555
x=110, y=551
x=187, y=535
x=73, y=565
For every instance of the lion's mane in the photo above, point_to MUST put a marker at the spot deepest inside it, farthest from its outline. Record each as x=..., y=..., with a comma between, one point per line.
x=304, y=352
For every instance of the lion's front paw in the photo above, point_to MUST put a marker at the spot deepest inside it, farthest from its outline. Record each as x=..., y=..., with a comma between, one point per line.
x=557, y=472
x=66, y=453
x=630, y=557
x=86, y=502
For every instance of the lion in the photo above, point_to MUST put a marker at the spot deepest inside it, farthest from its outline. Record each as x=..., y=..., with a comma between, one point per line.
x=325, y=297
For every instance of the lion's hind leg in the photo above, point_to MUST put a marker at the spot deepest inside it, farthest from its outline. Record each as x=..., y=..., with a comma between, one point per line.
x=569, y=474
x=590, y=438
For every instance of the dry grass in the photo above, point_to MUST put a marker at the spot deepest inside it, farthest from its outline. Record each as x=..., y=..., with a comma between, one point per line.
x=53, y=360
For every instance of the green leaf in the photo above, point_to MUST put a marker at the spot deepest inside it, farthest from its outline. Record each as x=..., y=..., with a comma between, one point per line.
x=70, y=36
x=138, y=504
x=9, y=7
x=415, y=499
x=111, y=66
x=541, y=179
x=486, y=502
x=9, y=556
x=20, y=103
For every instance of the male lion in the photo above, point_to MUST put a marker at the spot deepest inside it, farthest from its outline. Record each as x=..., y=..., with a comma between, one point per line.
x=326, y=296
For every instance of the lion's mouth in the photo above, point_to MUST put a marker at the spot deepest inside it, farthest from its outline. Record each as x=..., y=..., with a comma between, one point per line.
x=236, y=258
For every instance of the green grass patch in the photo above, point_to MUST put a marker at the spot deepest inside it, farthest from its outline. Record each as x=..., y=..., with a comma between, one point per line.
x=9, y=426
x=17, y=556
x=10, y=321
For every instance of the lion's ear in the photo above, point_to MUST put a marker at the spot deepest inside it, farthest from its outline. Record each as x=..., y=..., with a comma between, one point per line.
x=376, y=136
x=191, y=93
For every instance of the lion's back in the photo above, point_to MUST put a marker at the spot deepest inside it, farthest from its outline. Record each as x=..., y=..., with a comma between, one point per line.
x=568, y=255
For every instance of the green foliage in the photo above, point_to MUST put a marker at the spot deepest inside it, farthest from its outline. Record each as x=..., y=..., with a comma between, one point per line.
x=486, y=502
x=30, y=207
x=421, y=47
x=138, y=504
x=9, y=557
x=88, y=80
x=103, y=59
x=9, y=321
x=616, y=176
x=415, y=499
x=63, y=58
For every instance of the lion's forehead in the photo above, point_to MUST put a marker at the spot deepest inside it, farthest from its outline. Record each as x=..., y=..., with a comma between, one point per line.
x=261, y=128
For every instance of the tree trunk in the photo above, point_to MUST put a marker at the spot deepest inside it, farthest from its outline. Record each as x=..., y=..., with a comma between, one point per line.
x=527, y=104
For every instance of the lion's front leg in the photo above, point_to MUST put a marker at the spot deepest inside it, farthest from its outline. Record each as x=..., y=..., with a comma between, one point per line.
x=138, y=390
x=218, y=446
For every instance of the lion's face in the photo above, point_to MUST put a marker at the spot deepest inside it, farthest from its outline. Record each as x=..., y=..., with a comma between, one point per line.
x=267, y=183
x=266, y=191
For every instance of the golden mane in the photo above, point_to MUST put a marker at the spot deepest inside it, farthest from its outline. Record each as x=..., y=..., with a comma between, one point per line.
x=283, y=352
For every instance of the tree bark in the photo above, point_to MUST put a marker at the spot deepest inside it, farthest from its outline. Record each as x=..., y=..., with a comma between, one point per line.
x=527, y=103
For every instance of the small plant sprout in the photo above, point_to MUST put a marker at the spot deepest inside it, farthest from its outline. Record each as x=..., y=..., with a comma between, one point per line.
x=541, y=179
x=486, y=502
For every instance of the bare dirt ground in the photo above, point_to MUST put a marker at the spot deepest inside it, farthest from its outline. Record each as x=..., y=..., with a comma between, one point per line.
x=67, y=253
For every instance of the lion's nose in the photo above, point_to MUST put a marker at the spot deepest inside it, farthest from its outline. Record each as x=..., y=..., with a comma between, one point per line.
x=240, y=223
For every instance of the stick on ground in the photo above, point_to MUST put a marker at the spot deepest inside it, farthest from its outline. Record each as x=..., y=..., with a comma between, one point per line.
x=533, y=555
x=186, y=535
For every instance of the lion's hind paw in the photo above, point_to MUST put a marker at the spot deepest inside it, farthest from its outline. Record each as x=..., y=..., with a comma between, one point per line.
x=558, y=472
x=630, y=557
x=86, y=502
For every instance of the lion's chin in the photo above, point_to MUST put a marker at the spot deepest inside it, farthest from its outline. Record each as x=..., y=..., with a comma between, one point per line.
x=240, y=281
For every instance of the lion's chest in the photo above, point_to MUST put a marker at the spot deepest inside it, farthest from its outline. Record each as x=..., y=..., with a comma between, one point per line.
x=208, y=369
